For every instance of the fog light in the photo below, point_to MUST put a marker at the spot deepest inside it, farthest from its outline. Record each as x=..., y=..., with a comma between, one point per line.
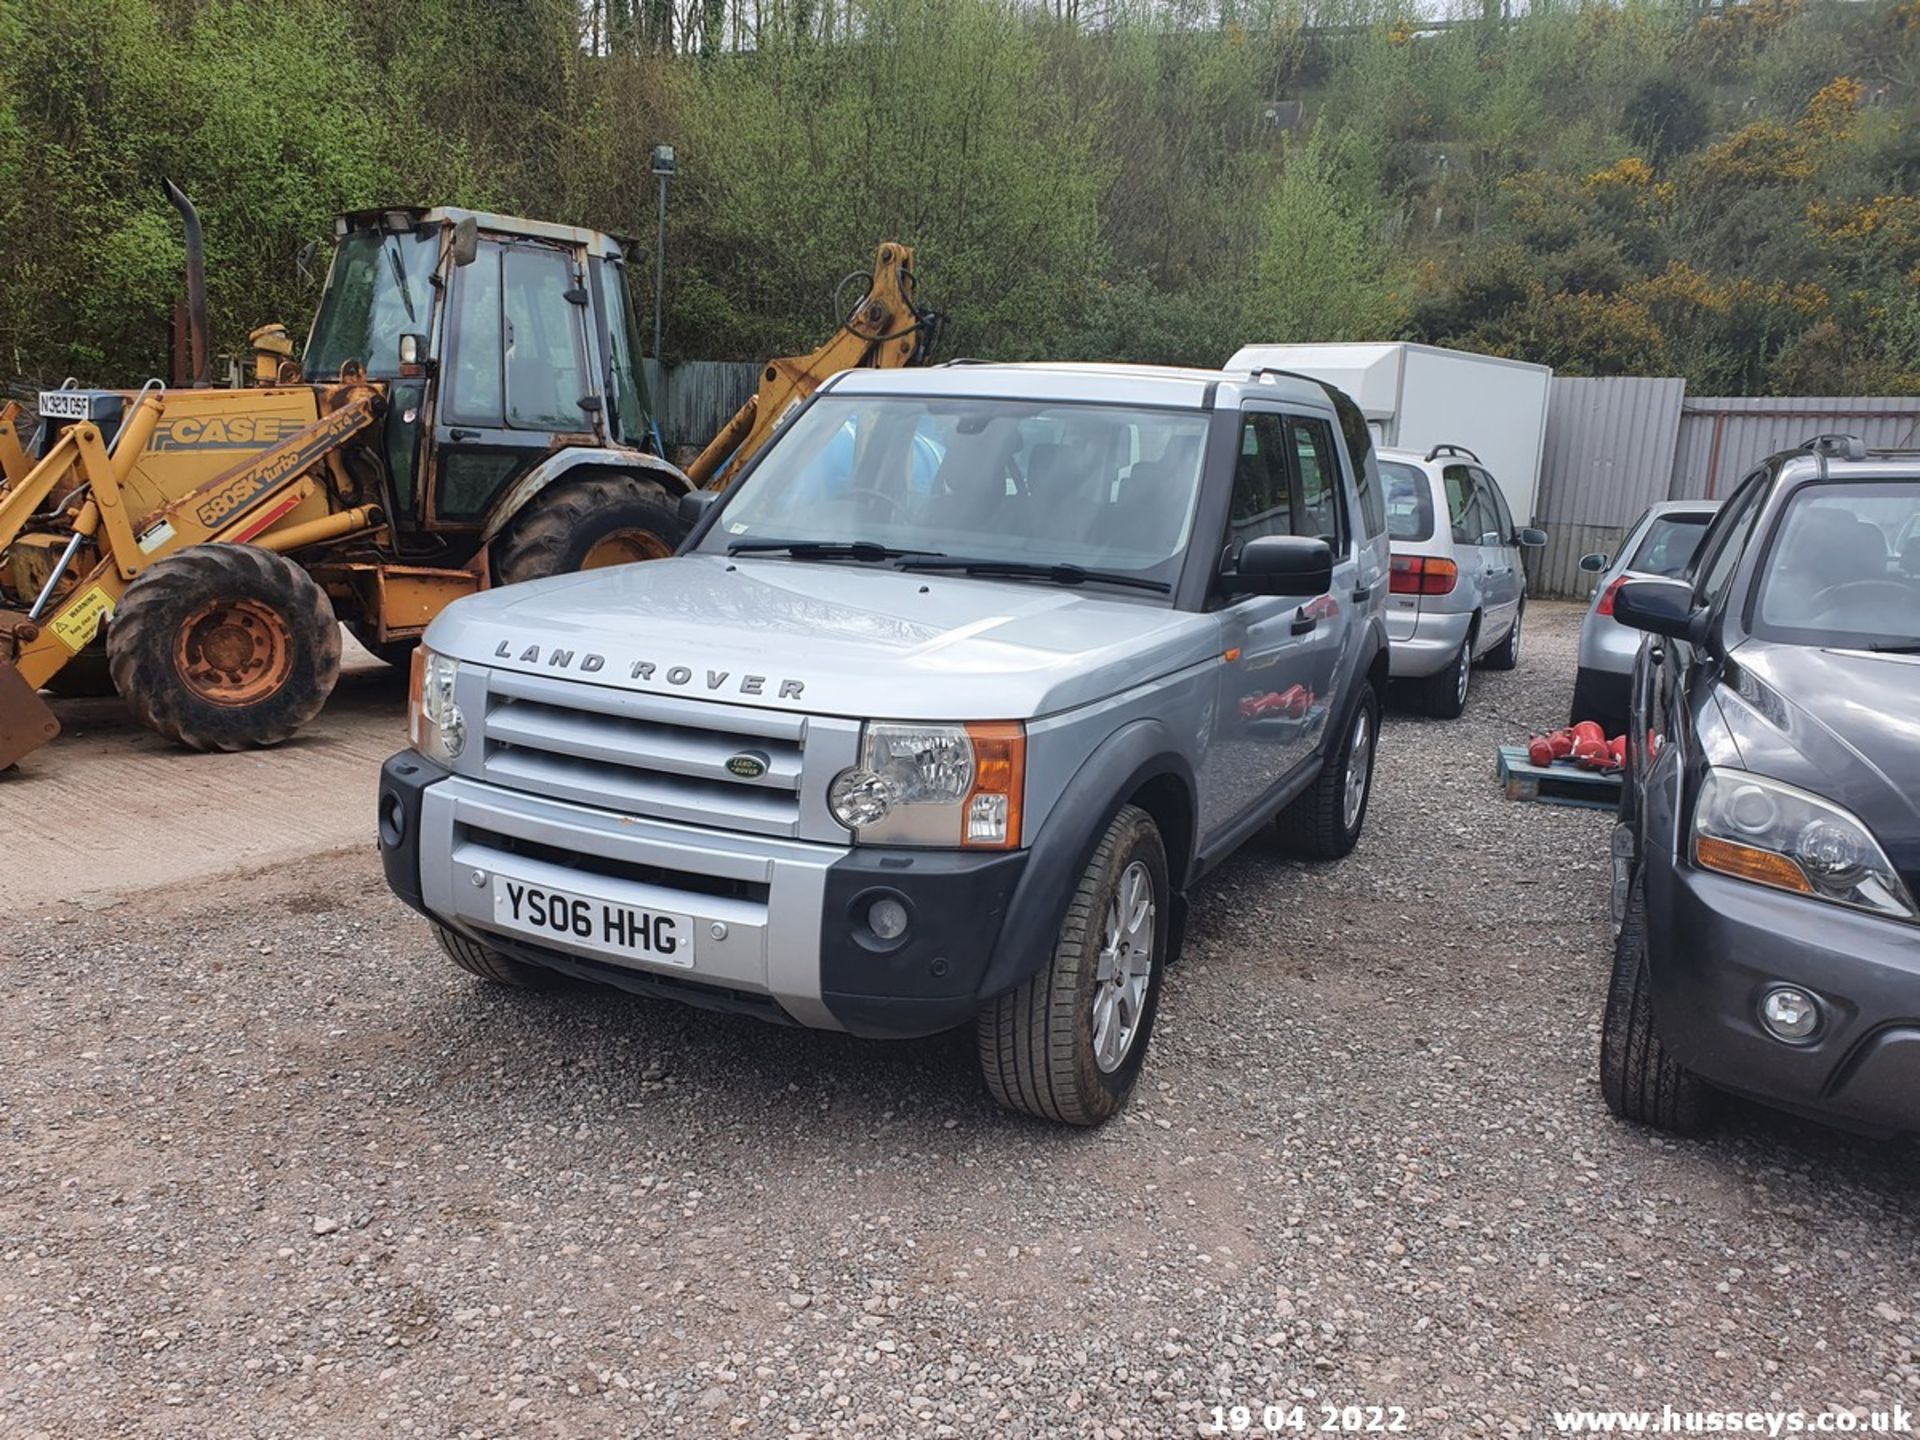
x=858, y=798
x=887, y=918
x=1790, y=1014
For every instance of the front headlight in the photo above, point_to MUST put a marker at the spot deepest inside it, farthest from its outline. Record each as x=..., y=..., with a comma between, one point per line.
x=1760, y=830
x=435, y=725
x=917, y=784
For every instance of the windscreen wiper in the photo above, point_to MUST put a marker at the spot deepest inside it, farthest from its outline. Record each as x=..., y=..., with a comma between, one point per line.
x=1894, y=647
x=400, y=278
x=826, y=549
x=1059, y=574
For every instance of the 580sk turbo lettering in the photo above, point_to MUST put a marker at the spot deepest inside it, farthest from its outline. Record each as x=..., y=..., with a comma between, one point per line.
x=935, y=718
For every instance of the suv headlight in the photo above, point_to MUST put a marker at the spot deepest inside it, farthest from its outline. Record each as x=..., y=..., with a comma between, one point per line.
x=1760, y=830
x=435, y=725
x=954, y=785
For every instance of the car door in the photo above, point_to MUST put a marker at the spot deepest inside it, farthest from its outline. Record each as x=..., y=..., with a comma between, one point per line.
x=1270, y=712
x=514, y=375
x=1506, y=576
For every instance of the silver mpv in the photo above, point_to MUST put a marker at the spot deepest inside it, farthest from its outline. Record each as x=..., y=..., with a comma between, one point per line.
x=1458, y=583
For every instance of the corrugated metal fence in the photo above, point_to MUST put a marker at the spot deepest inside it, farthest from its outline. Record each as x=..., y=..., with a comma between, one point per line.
x=692, y=400
x=1614, y=446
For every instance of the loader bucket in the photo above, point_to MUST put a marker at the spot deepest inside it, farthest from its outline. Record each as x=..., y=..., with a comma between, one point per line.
x=26, y=722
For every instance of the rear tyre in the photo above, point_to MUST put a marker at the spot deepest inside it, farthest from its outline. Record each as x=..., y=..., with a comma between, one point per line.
x=1444, y=695
x=490, y=965
x=1325, y=822
x=1506, y=654
x=224, y=647
x=586, y=524
x=1641, y=1081
x=1068, y=1045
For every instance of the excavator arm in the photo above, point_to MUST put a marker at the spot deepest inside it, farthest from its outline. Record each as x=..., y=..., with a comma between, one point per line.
x=886, y=330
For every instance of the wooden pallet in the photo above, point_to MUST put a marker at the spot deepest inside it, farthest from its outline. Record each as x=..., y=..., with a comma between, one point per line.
x=1556, y=784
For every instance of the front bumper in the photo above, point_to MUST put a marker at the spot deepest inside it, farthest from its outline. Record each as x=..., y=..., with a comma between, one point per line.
x=1717, y=945
x=778, y=923
x=1423, y=642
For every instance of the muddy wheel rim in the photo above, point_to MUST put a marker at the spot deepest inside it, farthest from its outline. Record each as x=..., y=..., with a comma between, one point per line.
x=1125, y=967
x=1359, y=770
x=625, y=547
x=1464, y=673
x=1513, y=644
x=233, y=652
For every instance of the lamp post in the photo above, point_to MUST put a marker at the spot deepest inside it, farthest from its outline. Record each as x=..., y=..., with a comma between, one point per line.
x=663, y=164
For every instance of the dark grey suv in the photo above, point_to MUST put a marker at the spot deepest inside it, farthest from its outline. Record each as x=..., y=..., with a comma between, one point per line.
x=1768, y=853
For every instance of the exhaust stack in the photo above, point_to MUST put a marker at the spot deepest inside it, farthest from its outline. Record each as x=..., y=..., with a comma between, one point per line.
x=196, y=284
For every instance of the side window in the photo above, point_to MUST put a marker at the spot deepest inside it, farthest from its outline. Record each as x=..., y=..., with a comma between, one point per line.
x=1727, y=540
x=1457, y=480
x=476, y=387
x=1502, y=517
x=546, y=360
x=1319, y=511
x=1373, y=496
x=1262, y=502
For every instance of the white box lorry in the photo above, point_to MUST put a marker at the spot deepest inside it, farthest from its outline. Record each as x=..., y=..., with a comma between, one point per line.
x=1419, y=396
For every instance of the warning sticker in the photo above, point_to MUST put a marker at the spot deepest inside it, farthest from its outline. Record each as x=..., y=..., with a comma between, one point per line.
x=79, y=622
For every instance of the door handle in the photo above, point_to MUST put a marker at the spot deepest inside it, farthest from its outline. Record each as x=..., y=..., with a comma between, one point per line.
x=458, y=434
x=1303, y=623
x=1362, y=593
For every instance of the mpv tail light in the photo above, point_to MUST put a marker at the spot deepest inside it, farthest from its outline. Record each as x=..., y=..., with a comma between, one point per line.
x=1605, y=607
x=1422, y=575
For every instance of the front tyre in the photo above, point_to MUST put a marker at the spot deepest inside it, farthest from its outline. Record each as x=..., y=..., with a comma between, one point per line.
x=1325, y=821
x=1640, y=1079
x=1068, y=1044
x=587, y=524
x=224, y=647
x=490, y=965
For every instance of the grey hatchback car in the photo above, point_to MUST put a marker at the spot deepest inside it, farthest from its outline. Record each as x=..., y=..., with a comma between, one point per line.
x=1459, y=588
x=1660, y=545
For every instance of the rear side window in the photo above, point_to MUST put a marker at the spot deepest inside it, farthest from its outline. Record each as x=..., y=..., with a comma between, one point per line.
x=1318, y=509
x=1457, y=481
x=1409, y=497
x=1668, y=547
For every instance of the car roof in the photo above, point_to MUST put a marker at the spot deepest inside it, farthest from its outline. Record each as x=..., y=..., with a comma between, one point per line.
x=1156, y=386
x=1670, y=507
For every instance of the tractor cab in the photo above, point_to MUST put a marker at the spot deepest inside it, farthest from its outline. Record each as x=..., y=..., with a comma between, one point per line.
x=500, y=342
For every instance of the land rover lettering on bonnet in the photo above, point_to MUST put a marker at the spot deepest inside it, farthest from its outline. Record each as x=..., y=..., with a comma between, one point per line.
x=1070, y=636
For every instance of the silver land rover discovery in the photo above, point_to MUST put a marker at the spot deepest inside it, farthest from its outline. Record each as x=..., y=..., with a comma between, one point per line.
x=935, y=719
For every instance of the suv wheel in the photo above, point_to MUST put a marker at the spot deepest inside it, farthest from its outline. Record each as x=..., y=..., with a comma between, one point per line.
x=490, y=965
x=1324, y=823
x=1642, y=1082
x=1444, y=695
x=1069, y=1043
x=1506, y=654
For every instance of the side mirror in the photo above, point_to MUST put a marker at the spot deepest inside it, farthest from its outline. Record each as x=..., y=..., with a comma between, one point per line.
x=465, y=246
x=694, y=505
x=1281, y=565
x=1659, y=607
x=1531, y=538
x=1595, y=562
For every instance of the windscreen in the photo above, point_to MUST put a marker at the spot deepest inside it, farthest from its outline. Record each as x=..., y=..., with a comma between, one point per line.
x=1097, y=486
x=1844, y=568
x=1409, y=501
x=1669, y=545
x=380, y=288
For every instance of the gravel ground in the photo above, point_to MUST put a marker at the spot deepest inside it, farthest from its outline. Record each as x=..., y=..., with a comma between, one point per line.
x=269, y=1166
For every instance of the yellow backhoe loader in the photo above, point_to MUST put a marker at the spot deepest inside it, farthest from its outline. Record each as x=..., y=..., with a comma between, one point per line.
x=468, y=411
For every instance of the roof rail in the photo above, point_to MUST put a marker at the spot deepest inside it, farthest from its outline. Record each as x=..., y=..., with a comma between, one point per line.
x=1437, y=451
x=965, y=360
x=1837, y=446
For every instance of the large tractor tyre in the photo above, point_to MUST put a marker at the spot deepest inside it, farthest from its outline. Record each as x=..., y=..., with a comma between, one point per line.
x=224, y=647
x=587, y=524
x=1639, y=1077
x=84, y=677
x=490, y=965
x=1324, y=821
x=397, y=653
x=1069, y=1043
